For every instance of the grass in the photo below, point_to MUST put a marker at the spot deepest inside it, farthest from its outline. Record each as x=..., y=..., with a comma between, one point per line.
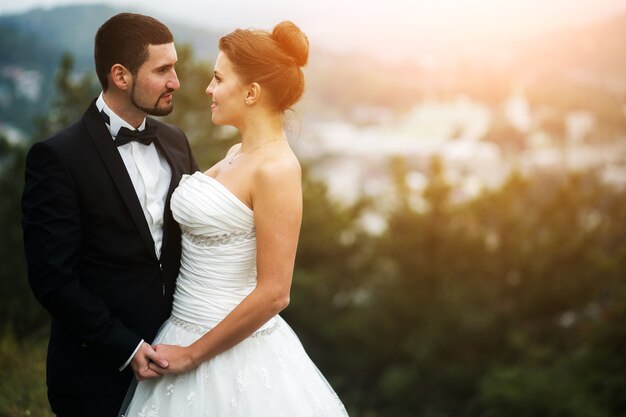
x=23, y=375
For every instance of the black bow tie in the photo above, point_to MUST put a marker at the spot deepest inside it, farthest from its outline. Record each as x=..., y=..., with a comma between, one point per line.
x=125, y=135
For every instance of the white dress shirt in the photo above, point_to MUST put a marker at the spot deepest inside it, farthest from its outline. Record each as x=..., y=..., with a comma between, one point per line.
x=150, y=174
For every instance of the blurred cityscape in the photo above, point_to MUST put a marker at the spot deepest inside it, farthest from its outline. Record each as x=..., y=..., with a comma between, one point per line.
x=554, y=103
x=354, y=156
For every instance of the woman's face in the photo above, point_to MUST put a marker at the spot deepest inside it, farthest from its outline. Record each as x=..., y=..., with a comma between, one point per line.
x=228, y=93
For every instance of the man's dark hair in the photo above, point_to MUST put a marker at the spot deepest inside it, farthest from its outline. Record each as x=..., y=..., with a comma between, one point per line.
x=124, y=39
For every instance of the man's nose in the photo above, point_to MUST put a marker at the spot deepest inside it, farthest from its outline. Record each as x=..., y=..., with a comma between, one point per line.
x=174, y=83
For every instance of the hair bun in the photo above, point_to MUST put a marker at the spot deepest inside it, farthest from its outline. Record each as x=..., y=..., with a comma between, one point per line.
x=293, y=41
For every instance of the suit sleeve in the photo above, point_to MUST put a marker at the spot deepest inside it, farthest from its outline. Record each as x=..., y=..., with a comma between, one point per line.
x=51, y=220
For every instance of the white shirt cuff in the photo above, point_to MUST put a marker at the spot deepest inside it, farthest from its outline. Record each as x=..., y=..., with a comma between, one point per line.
x=131, y=357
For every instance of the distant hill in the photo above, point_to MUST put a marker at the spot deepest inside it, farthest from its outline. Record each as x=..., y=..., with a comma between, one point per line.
x=72, y=29
x=32, y=43
x=51, y=32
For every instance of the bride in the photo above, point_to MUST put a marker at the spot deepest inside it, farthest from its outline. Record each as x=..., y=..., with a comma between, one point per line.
x=229, y=352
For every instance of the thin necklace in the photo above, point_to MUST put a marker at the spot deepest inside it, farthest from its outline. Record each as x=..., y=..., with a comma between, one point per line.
x=239, y=154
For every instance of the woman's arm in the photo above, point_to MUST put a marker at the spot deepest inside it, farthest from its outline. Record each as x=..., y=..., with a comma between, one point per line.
x=277, y=203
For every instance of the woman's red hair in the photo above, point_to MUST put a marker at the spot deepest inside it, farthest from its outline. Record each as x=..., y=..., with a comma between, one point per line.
x=273, y=60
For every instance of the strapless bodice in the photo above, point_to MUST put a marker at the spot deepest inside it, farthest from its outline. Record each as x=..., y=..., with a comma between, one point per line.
x=218, y=261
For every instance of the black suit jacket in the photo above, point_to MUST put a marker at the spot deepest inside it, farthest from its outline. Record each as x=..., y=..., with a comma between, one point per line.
x=90, y=255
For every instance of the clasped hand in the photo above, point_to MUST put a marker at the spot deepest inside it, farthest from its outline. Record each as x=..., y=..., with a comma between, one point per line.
x=150, y=362
x=179, y=360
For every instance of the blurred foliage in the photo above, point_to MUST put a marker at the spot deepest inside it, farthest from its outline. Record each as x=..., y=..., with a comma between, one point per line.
x=18, y=307
x=511, y=304
x=73, y=95
x=495, y=306
x=22, y=386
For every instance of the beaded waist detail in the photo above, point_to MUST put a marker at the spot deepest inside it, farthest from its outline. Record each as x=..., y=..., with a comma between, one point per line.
x=217, y=240
x=197, y=329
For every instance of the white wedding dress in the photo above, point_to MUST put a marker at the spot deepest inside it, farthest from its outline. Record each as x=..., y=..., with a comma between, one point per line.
x=267, y=374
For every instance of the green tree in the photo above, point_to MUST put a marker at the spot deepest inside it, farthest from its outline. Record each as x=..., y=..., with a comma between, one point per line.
x=17, y=306
x=499, y=305
x=72, y=96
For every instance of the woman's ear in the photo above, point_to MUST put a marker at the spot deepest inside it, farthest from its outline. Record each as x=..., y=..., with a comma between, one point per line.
x=253, y=94
x=120, y=76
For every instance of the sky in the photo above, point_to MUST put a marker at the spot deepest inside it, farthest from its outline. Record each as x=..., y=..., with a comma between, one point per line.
x=387, y=26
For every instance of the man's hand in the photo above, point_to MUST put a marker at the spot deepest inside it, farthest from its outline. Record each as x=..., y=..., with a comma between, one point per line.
x=141, y=361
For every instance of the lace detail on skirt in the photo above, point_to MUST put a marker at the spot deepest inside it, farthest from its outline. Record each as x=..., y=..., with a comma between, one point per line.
x=217, y=240
x=197, y=329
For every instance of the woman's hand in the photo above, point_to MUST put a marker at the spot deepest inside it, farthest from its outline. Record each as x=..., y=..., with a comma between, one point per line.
x=178, y=357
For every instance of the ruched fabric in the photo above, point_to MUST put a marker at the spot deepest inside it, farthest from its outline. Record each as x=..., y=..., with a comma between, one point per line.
x=268, y=374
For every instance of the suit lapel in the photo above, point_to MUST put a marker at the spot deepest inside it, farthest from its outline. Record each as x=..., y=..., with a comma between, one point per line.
x=165, y=150
x=115, y=165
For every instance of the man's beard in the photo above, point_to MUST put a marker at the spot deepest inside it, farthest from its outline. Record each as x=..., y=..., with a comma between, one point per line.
x=153, y=111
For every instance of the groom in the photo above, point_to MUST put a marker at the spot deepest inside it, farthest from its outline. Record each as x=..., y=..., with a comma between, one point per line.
x=102, y=248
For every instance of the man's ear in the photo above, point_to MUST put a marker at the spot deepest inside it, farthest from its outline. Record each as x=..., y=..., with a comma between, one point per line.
x=253, y=94
x=120, y=76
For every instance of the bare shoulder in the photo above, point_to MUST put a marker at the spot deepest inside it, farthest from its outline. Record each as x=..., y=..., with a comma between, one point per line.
x=276, y=189
x=281, y=168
